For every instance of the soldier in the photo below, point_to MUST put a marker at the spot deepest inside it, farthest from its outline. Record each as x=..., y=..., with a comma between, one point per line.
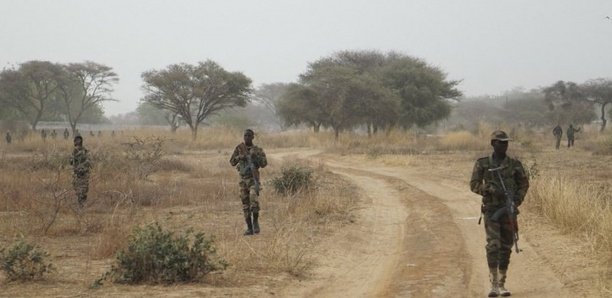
x=81, y=167
x=570, y=135
x=8, y=138
x=53, y=134
x=558, y=133
x=99, y=133
x=499, y=232
x=248, y=158
x=43, y=135
x=66, y=134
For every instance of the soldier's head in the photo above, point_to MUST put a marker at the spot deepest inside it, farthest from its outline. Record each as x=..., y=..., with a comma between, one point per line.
x=249, y=135
x=499, y=142
x=78, y=141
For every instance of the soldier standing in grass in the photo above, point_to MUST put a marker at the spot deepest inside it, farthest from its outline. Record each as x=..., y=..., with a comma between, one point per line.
x=8, y=138
x=248, y=159
x=499, y=232
x=81, y=168
x=558, y=133
x=66, y=134
x=570, y=135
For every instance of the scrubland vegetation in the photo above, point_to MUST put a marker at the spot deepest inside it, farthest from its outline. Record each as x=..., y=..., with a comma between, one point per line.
x=148, y=176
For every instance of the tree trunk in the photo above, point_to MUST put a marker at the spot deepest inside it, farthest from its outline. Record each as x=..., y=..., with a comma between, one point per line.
x=603, y=117
x=369, y=125
x=194, y=133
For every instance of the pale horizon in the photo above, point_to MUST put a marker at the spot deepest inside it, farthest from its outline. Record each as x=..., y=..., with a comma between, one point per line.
x=491, y=46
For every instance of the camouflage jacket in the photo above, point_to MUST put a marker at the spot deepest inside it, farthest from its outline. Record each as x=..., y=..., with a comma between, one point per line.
x=240, y=161
x=487, y=183
x=80, y=161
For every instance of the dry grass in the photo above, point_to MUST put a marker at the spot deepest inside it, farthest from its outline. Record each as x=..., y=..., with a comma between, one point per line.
x=194, y=186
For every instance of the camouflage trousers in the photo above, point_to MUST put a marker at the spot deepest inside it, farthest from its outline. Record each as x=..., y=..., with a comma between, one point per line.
x=248, y=195
x=499, y=241
x=558, y=139
x=80, y=184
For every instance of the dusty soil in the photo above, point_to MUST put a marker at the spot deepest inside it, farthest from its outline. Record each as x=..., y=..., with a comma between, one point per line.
x=415, y=234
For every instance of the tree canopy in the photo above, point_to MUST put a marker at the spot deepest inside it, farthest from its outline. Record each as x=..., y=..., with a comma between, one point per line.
x=352, y=88
x=195, y=92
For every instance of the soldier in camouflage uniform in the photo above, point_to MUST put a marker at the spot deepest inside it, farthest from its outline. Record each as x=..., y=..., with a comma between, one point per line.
x=570, y=135
x=499, y=232
x=557, y=132
x=248, y=159
x=81, y=168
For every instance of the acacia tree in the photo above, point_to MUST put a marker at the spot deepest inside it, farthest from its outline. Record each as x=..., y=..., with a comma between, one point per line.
x=298, y=105
x=269, y=95
x=599, y=91
x=195, y=92
x=151, y=115
x=379, y=90
x=29, y=89
x=568, y=102
x=84, y=86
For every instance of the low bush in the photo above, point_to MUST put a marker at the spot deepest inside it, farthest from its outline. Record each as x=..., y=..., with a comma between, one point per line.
x=154, y=256
x=293, y=179
x=24, y=262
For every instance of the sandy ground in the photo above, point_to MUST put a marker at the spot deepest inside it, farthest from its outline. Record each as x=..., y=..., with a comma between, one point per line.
x=415, y=234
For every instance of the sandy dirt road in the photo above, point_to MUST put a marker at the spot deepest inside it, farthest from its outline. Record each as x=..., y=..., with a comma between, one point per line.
x=415, y=236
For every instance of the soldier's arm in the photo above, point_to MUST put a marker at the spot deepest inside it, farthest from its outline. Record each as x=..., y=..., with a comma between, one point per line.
x=262, y=162
x=522, y=182
x=476, y=184
x=235, y=158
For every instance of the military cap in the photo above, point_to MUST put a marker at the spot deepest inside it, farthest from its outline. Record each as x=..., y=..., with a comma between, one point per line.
x=500, y=135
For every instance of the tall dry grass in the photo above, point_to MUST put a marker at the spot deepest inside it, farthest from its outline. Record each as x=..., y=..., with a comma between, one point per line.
x=580, y=209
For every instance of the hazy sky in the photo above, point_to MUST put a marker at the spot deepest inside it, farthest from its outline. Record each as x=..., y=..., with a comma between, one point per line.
x=492, y=45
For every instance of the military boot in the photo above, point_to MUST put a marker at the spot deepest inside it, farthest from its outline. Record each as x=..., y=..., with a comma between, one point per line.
x=256, y=222
x=249, y=222
x=502, y=280
x=494, y=292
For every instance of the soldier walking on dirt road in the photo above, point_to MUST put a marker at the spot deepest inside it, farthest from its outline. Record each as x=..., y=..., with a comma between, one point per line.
x=248, y=159
x=497, y=177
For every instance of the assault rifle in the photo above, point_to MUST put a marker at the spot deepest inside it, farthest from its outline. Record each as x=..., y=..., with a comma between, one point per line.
x=509, y=208
x=251, y=166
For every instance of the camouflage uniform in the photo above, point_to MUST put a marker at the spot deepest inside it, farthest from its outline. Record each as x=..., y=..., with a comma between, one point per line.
x=248, y=192
x=485, y=183
x=557, y=132
x=570, y=135
x=66, y=134
x=81, y=168
x=248, y=195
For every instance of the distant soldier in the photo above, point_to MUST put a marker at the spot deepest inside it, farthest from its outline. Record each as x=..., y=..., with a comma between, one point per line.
x=558, y=133
x=570, y=135
x=248, y=159
x=43, y=135
x=499, y=226
x=91, y=133
x=99, y=133
x=66, y=134
x=8, y=138
x=53, y=134
x=113, y=134
x=81, y=168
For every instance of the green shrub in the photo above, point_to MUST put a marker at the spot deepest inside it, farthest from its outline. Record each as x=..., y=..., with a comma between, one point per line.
x=293, y=179
x=24, y=262
x=157, y=256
